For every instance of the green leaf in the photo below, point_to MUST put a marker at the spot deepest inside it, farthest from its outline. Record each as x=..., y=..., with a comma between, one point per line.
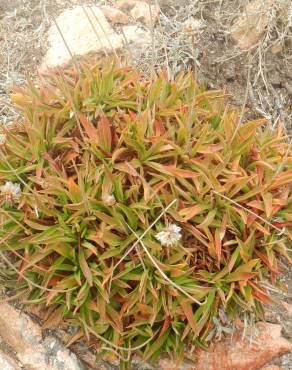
x=84, y=267
x=243, y=272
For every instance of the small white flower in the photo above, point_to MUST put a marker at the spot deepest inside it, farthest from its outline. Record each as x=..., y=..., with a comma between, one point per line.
x=71, y=115
x=170, y=235
x=109, y=200
x=2, y=138
x=10, y=191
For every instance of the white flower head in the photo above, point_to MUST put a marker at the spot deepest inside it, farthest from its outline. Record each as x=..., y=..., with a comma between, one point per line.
x=10, y=191
x=109, y=200
x=2, y=138
x=170, y=235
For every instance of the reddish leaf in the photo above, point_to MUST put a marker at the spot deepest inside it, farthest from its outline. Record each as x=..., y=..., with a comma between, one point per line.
x=190, y=212
x=188, y=311
x=104, y=134
x=89, y=128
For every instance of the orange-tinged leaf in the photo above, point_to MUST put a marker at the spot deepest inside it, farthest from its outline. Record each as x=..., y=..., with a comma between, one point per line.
x=114, y=317
x=54, y=164
x=212, y=250
x=248, y=129
x=243, y=272
x=85, y=268
x=268, y=203
x=229, y=121
x=218, y=244
x=70, y=156
x=186, y=174
x=127, y=168
x=266, y=261
x=89, y=128
x=21, y=100
x=250, y=194
x=235, y=163
x=223, y=226
x=211, y=148
x=54, y=319
x=188, y=311
x=197, y=234
x=265, y=164
x=261, y=228
x=190, y=212
x=144, y=309
x=258, y=204
x=242, y=214
x=282, y=179
x=75, y=337
x=104, y=134
x=74, y=190
x=260, y=294
x=165, y=326
x=209, y=219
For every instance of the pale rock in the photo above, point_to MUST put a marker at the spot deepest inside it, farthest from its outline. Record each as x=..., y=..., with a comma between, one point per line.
x=81, y=35
x=25, y=338
x=137, y=35
x=249, y=28
x=114, y=15
x=82, y=39
x=236, y=353
x=7, y=363
x=145, y=13
x=168, y=364
x=267, y=344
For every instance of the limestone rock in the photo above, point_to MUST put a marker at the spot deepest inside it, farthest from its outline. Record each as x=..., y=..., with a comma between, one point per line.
x=242, y=355
x=249, y=28
x=84, y=36
x=137, y=35
x=85, y=30
x=7, y=363
x=34, y=352
x=145, y=13
x=235, y=353
x=114, y=15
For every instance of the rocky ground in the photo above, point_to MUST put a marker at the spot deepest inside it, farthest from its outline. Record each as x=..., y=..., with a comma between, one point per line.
x=243, y=46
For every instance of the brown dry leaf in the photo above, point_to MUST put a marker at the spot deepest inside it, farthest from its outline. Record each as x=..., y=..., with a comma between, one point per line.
x=249, y=28
x=190, y=212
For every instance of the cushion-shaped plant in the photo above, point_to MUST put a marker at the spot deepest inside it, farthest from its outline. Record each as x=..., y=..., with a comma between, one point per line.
x=141, y=212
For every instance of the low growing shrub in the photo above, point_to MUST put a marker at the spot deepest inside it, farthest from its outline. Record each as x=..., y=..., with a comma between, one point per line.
x=141, y=212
